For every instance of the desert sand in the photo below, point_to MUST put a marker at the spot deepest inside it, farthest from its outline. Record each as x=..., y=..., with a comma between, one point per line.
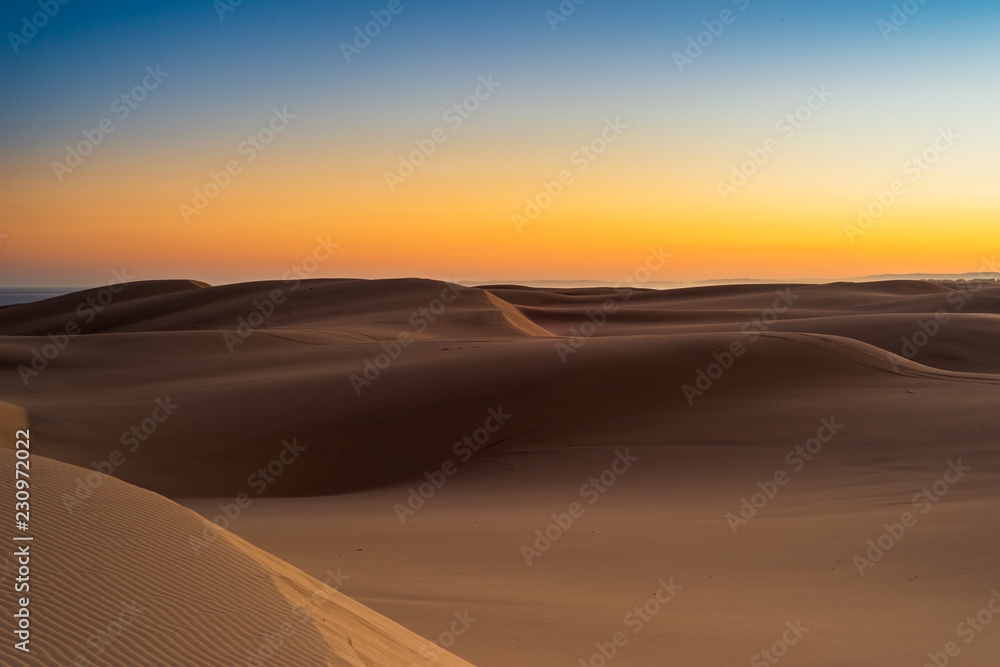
x=115, y=581
x=806, y=470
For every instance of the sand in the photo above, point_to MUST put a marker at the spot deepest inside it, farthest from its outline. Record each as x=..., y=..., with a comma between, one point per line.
x=352, y=394
x=118, y=579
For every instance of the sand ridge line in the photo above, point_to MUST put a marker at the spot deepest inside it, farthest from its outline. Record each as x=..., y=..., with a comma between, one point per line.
x=128, y=548
x=856, y=351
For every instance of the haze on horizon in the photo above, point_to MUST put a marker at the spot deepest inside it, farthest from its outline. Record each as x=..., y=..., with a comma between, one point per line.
x=225, y=140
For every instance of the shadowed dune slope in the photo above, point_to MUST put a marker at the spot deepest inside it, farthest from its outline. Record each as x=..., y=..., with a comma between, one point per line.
x=283, y=418
x=324, y=398
x=116, y=581
x=950, y=325
x=351, y=310
x=961, y=319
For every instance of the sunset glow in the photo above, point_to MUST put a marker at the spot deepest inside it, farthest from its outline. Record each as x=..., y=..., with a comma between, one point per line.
x=823, y=113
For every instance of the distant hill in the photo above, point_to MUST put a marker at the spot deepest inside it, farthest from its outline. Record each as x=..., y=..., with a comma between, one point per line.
x=666, y=284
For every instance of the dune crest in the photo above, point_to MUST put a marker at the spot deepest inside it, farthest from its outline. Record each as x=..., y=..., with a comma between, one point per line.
x=334, y=365
x=117, y=580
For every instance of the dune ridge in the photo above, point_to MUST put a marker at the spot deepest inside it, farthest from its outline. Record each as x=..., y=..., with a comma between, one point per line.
x=116, y=581
x=329, y=409
x=335, y=365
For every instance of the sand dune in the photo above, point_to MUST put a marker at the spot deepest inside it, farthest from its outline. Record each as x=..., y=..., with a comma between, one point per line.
x=361, y=310
x=116, y=581
x=370, y=389
x=12, y=419
x=280, y=390
x=327, y=370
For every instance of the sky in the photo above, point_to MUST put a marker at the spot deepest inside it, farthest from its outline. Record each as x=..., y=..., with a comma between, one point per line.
x=539, y=140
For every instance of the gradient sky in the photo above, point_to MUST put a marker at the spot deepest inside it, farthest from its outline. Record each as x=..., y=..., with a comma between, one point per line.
x=657, y=184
